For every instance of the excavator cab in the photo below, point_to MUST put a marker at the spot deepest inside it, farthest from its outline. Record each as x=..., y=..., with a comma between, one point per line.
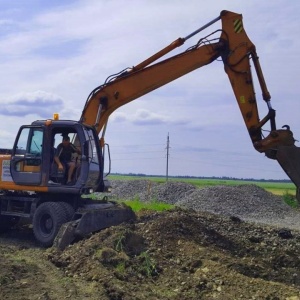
x=32, y=159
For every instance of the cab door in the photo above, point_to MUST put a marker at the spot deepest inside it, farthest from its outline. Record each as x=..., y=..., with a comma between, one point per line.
x=26, y=158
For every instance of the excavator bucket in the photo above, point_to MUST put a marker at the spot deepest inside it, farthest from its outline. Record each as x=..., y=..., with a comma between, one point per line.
x=92, y=218
x=289, y=159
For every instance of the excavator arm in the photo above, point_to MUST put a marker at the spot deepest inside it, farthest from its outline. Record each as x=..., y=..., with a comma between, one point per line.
x=133, y=84
x=236, y=51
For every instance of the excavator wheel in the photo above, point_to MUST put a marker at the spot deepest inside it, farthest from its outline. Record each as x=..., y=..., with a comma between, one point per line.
x=69, y=210
x=47, y=220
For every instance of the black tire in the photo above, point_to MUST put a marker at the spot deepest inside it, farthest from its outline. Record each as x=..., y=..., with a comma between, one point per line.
x=47, y=221
x=69, y=210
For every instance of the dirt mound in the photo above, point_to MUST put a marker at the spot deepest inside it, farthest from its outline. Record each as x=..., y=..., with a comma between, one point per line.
x=206, y=250
x=187, y=255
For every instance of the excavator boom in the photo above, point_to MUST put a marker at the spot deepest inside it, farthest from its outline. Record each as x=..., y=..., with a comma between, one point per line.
x=236, y=51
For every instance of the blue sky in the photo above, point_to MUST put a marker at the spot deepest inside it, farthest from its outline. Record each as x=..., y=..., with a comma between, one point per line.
x=54, y=53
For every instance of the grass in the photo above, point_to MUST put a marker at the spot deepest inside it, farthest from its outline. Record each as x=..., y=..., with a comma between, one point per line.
x=138, y=205
x=119, y=243
x=147, y=265
x=290, y=200
x=121, y=268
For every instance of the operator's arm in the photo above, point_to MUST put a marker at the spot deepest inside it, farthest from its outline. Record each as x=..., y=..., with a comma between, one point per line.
x=75, y=149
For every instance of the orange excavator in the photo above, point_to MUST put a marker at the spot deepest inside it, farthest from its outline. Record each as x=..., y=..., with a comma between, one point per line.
x=32, y=186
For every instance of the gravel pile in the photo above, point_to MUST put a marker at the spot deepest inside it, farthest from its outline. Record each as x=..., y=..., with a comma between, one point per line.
x=146, y=190
x=131, y=189
x=247, y=202
x=172, y=192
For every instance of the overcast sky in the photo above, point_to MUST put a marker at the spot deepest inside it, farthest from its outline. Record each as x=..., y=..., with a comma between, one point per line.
x=54, y=53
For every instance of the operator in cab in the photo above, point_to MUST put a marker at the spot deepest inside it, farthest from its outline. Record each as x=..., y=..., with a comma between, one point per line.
x=63, y=158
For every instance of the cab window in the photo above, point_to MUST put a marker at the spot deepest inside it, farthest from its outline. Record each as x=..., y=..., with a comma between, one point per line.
x=30, y=141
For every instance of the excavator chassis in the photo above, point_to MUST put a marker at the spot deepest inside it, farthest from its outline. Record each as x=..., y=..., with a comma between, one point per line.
x=90, y=218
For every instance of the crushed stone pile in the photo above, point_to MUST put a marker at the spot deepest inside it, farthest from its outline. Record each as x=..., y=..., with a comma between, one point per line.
x=132, y=189
x=146, y=190
x=172, y=192
x=247, y=202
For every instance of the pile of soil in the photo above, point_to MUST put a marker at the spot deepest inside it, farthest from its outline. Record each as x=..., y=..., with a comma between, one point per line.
x=178, y=254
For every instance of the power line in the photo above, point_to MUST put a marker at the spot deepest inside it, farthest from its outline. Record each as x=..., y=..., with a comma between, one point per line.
x=139, y=152
x=135, y=145
x=233, y=159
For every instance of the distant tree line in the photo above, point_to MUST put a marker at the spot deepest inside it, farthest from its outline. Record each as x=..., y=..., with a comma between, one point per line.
x=204, y=177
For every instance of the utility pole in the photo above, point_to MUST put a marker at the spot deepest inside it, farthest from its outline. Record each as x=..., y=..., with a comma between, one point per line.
x=168, y=147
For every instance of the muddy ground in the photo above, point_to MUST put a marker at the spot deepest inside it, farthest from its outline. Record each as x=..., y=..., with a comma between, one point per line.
x=178, y=254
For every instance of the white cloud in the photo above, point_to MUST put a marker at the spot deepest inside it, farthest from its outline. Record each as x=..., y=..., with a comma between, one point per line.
x=143, y=117
x=36, y=103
